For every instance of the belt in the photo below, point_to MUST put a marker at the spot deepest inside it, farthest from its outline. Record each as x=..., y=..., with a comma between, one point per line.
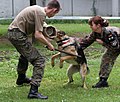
x=16, y=30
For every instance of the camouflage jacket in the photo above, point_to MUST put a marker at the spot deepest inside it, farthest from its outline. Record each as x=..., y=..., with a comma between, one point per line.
x=104, y=36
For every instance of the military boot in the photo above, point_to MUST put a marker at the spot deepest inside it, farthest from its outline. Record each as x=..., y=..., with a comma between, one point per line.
x=33, y=94
x=22, y=79
x=102, y=83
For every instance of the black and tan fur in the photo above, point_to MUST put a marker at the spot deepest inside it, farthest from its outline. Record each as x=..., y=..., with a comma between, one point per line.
x=77, y=64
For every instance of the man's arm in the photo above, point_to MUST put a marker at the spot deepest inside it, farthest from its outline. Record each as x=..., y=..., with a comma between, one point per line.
x=42, y=39
x=87, y=41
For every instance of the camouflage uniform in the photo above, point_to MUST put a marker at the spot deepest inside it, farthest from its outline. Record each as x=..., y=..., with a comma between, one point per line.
x=28, y=21
x=109, y=56
x=28, y=54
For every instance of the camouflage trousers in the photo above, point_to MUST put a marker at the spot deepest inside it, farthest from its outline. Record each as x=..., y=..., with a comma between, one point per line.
x=107, y=62
x=28, y=53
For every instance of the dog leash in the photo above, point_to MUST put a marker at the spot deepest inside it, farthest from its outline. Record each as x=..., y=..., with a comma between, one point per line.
x=67, y=53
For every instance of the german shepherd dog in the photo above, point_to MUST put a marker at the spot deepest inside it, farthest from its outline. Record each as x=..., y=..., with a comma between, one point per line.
x=69, y=51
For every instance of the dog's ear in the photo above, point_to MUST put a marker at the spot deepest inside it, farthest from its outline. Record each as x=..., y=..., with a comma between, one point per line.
x=61, y=33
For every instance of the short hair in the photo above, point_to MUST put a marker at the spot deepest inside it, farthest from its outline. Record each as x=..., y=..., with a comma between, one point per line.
x=54, y=4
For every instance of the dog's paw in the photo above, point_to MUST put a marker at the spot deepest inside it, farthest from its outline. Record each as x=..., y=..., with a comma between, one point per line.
x=84, y=86
x=61, y=66
x=70, y=81
x=52, y=65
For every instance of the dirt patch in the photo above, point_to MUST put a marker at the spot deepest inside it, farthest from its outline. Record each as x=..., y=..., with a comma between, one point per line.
x=4, y=43
x=4, y=40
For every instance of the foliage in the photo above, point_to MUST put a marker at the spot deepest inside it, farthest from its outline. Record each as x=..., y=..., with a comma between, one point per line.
x=62, y=21
x=53, y=83
x=5, y=21
x=3, y=30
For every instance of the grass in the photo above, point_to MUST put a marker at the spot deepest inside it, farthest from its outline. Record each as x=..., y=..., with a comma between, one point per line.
x=53, y=83
x=3, y=30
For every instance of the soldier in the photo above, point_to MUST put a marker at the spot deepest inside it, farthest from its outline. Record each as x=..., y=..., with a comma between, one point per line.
x=109, y=37
x=30, y=21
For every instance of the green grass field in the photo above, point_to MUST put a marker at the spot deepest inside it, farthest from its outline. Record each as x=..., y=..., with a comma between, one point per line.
x=53, y=83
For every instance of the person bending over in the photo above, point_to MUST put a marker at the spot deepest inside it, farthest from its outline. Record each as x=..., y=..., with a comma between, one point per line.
x=30, y=21
x=108, y=37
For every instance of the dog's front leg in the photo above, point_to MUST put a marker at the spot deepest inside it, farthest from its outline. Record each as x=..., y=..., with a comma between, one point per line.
x=83, y=72
x=53, y=59
x=62, y=59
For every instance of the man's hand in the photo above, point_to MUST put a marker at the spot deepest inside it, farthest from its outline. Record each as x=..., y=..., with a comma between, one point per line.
x=99, y=41
x=42, y=39
x=51, y=47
